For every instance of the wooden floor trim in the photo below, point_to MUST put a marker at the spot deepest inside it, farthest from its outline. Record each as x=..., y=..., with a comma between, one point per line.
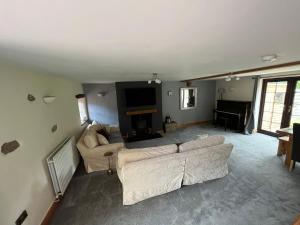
x=185, y=125
x=50, y=213
x=297, y=221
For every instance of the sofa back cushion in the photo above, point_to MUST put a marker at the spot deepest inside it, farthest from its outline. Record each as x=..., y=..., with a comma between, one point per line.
x=132, y=155
x=90, y=139
x=202, y=143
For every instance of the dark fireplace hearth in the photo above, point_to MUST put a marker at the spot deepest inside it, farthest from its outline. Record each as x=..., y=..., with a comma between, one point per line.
x=141, y=124
x=142, y=128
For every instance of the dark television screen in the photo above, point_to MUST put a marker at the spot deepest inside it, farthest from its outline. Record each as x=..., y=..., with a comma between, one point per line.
x=140, y=97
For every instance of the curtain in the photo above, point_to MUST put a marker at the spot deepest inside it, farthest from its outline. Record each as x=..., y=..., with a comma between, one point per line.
x=251, y=122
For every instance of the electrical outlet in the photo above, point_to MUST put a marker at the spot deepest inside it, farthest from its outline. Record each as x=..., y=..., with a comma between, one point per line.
x=21, y=218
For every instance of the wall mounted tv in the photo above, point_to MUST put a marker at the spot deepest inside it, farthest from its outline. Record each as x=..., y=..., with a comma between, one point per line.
x=140, y=97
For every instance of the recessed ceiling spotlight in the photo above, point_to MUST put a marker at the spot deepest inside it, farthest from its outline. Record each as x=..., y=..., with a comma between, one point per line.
x=228, y=78
x=269, y=58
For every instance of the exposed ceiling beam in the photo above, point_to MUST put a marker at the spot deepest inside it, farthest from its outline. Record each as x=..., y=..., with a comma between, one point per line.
x=296, y=63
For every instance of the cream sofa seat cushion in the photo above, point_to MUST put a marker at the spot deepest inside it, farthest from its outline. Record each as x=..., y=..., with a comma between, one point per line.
x=102, y=140
x=202, y=143
x=206, y=163
x=90, y=139
x=132, y=155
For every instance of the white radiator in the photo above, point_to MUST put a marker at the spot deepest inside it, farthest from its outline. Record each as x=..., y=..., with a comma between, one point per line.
x=62, y=163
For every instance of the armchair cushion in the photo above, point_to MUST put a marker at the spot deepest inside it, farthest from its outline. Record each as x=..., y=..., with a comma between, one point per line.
x=102, y=140
x=90, y=139
x=104, y=132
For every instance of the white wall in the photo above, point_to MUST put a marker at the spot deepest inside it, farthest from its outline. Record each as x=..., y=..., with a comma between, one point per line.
x=241, y=90
x=25, y=182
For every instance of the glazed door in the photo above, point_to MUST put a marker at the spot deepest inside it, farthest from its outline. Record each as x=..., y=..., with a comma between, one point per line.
x=273, y=105
x=280, y=104
x=295, y=104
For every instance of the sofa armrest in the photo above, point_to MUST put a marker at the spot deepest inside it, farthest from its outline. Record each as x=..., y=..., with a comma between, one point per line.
x=99, y=151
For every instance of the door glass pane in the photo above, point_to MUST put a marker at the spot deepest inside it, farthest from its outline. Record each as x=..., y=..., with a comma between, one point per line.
x=274, y=105
x=296, y=106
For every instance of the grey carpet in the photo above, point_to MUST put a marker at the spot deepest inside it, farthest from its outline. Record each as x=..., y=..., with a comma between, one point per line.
x=258, y=190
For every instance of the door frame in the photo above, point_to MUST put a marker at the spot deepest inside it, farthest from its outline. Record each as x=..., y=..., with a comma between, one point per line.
x=288, y=102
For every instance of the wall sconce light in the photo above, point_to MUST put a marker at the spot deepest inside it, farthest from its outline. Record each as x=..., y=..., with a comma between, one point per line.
x=80, y=96
x=101, y=94
x=48, y=99
x=170, y=93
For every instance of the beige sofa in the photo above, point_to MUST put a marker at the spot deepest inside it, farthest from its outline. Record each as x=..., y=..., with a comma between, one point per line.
x=148, y=172
x=93, y=158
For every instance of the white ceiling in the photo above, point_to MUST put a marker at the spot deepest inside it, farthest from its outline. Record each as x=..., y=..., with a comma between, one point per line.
x=123, y=40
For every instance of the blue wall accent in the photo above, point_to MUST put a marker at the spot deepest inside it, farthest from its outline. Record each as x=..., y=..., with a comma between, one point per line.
x=102, y=109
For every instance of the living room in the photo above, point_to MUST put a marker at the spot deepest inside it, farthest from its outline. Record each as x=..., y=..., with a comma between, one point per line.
x=162, y=112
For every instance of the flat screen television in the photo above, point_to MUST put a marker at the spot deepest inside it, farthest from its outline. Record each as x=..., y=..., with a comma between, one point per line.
x=140, y=97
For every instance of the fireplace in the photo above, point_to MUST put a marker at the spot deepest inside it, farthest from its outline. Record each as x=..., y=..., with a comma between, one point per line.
x=139, y=121
x=141, y=124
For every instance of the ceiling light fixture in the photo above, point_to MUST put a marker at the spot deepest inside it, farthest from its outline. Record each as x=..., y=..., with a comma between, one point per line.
x=154, y=79
x=228, y=78
x=269, y=58
x=231, y=77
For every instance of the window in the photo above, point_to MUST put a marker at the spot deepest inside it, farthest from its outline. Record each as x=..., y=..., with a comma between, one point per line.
x=82, y=110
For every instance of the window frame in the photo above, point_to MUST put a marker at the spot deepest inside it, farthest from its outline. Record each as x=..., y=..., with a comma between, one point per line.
x=84, y=104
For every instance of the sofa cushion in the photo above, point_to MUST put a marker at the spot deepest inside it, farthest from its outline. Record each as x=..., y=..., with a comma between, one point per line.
x=90, y=139
x=97, y=127
x=202, y=143
x=104, y=132
x=102, y=140
x=132, y=155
